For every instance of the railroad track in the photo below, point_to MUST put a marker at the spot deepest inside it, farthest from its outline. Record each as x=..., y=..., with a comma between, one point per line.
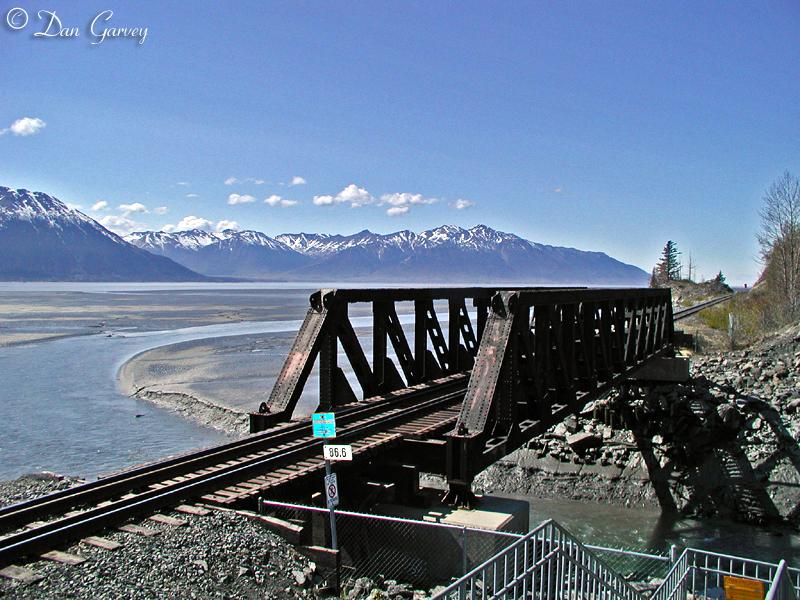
x=688, y=312
x=225, y=474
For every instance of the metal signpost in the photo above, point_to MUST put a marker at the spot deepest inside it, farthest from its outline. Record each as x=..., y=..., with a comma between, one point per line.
x=323, y=425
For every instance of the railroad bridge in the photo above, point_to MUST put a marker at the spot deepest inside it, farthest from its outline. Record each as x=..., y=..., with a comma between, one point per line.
x=485, y=369
x=458, y=377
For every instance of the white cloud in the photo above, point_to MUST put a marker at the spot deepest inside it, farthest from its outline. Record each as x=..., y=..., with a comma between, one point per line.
x=323, y=200
x=406, y=199
x=231, y=181
x=25, y=126
x=256, y=181
x=276, y=200
x=192, y=196
x=297, y=180
x=400, y=203
x=223, y=225
x=462, y=204
x=558, y=190
x=240, y=199
x=160, y=210
x=183, y=183
x=352, y=195
x=136, y=207
x=168, y=228
x=120, y=225
x=99, y=205
x=192, y=222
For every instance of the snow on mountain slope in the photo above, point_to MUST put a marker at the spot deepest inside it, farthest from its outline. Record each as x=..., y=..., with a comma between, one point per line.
x=446, y=253
x=42, y=239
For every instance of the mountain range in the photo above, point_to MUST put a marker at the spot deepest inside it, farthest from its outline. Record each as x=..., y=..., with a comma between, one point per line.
x=444, y=254
x=43, y=239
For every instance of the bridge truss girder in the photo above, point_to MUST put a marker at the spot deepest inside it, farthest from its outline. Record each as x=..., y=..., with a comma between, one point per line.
x=544, y=355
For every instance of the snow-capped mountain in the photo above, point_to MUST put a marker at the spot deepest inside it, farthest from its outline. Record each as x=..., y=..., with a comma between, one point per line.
x=42, y=239
x=230, y=253
x=443, y=254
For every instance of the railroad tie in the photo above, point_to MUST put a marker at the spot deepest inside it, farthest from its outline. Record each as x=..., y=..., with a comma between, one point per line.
x=139, y=530
x=101, y=542
x=64, y=557
x=21, y=574
x=167, y=520
x=192, y=510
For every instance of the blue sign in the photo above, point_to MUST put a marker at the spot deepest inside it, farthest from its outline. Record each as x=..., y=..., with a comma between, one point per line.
x=323, y=425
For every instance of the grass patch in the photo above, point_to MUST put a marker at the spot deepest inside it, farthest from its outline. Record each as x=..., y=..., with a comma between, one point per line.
x=750, y=311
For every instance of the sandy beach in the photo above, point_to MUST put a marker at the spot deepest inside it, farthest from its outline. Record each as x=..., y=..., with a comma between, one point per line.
x=214, y=382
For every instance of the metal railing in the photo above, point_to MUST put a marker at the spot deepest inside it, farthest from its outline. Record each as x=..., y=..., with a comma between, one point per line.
x=548, y=562
x=705, y=574
x=782, y=587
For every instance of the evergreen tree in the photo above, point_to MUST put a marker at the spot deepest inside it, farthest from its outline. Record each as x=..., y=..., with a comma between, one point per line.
x=669, y=267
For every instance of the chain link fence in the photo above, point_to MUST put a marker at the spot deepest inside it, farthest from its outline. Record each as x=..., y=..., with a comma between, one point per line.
x=420, y=553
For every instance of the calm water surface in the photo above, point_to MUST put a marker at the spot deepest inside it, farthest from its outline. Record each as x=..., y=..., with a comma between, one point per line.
x=60, y=409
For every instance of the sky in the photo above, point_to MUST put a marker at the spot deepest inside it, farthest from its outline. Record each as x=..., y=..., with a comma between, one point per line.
x=610, y=126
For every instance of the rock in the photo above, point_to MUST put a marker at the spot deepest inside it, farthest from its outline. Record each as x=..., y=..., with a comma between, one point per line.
x=580, y=442
x=202, y=564
x=731, y=417
x=299, y=578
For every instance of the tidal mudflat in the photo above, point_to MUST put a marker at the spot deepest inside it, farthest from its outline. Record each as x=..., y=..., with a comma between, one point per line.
x=32, y=312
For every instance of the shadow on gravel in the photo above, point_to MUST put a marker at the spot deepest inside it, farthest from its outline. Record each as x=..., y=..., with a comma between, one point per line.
x=708, y=471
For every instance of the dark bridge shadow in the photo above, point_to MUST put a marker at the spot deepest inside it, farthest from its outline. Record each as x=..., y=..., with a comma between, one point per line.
x=707, y=470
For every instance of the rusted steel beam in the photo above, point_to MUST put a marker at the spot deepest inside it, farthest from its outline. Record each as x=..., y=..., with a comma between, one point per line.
x=542, y=356
x=327, y=328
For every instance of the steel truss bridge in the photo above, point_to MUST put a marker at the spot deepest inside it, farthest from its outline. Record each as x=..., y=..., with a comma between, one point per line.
x=512, y=363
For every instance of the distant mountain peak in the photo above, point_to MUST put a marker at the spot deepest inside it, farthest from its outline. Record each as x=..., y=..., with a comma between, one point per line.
x=41, y=238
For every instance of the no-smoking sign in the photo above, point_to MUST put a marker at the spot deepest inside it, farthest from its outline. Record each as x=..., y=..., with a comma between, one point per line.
x=331, y=490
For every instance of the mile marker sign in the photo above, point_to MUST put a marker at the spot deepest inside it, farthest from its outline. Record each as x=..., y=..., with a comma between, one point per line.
x=337, y=452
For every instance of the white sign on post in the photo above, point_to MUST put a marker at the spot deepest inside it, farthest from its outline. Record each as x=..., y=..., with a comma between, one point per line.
x=331, y=490
x=337, y=452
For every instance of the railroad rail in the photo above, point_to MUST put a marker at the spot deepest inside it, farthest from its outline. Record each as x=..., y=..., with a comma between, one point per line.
x=256, y=465
x=692, y=310
x=515, y=363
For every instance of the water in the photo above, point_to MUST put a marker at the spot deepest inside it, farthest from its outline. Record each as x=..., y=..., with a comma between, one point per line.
x=648, y=529
x=60, y=409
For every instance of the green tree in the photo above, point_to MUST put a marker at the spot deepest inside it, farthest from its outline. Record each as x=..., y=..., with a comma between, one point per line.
x=669, y=267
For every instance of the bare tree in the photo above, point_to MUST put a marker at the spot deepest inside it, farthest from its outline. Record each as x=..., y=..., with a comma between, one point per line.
x=691, y=267
x=780, y=241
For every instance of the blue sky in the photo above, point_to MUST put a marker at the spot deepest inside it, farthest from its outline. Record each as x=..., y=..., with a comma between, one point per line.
x=609, y=126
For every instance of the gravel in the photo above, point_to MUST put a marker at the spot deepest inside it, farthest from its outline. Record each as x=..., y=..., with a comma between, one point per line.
x=219, y=555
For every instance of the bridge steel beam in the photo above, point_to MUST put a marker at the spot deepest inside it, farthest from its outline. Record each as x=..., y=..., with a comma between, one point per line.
x=542, y=355
x=327, y=328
